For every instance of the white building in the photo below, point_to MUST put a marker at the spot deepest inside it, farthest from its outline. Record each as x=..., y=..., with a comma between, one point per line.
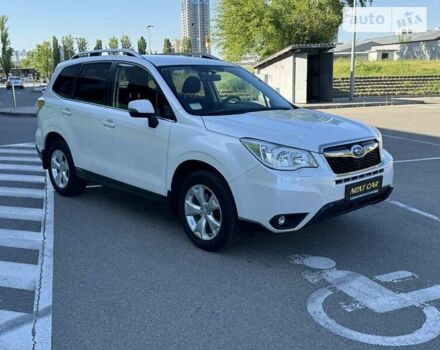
x=415, y=46
x=301, y=73
x=196, y=24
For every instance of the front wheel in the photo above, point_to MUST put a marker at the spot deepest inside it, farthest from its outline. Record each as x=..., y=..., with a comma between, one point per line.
x=62, y=170
x=207, y=211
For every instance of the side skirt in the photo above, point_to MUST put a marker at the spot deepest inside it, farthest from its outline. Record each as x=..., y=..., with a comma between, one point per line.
x=105, y=181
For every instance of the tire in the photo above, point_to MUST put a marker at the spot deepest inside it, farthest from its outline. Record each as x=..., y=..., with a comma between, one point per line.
x=226, y=215
x=72, y=185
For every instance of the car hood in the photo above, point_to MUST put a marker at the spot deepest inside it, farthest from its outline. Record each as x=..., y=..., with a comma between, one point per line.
x=300, y=128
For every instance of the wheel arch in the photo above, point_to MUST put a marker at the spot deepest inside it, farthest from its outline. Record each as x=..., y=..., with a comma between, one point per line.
x=51, y=137
x=186, y=168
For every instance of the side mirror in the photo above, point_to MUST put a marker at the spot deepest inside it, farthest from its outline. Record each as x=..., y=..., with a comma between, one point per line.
x=143, y=109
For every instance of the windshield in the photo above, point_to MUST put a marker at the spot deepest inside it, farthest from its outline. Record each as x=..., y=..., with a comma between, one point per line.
x=221, y=90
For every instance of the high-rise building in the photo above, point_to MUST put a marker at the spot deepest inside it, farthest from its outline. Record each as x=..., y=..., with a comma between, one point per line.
x=196, y=24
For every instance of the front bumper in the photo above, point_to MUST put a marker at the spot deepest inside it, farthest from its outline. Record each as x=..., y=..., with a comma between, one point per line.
x=308, y=195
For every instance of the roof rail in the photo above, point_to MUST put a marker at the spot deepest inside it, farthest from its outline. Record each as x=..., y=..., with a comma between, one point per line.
x=127, y=52
x=200, y=55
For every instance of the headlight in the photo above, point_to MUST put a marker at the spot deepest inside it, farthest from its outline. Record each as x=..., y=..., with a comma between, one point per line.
x=280, y=157
x=379, y=136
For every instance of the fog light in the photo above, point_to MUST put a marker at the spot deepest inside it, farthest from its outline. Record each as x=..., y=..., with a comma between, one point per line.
x=281, y=220
x=287, y=221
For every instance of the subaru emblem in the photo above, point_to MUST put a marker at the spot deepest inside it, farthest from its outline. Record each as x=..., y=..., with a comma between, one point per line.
x=358, y=151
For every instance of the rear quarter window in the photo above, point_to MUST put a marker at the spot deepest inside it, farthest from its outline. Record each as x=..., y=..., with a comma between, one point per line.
x=65, y=81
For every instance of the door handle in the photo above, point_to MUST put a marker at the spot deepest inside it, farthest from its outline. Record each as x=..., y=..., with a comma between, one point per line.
x=67, y=112
x=109, y=124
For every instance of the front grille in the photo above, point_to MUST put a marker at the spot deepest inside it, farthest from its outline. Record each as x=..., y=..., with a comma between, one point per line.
x=343, y=165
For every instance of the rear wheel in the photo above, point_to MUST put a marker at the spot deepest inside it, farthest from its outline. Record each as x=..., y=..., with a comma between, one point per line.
x=62, y=170
x=207, y=211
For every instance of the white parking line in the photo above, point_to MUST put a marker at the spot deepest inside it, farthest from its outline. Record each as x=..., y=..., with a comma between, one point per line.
x=19, y=167
x=21, y=213
x=6, y=316
x=22, y=178
x=408, y=139
x=42, y=327
x=416, y=160
x=21, y=192
x=20, y=239
x=17, y=151
x=18, y=276
x=20, y=145
x=414, y=210
x=20, y=159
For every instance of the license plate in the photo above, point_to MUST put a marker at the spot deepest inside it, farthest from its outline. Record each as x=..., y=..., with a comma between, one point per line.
x=360, y=189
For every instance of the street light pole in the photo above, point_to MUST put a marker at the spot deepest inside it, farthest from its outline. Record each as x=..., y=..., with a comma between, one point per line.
x=149, y=37
x=200, y=27
x=353, y=53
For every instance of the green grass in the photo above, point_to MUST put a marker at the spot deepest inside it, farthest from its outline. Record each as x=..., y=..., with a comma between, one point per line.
x=341, y=68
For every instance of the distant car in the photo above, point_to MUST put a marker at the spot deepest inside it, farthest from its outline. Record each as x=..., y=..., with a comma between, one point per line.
x=18, y=83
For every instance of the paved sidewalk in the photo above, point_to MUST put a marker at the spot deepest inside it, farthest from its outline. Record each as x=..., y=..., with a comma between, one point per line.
x=370, y=102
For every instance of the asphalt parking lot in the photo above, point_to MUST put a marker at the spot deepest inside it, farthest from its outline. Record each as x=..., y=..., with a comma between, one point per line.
x=24, y=97
x=126, y=277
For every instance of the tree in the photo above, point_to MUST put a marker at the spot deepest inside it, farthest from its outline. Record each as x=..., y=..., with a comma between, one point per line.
x=6, y=49
x=125, y=42
x=167, y=47
x=68, y=46
x=56, y=54
x=113, y=43
x=82, y=44
x=98, y=45
x=27, y=62
x=186, y=45
x=261, y=27
x=41, y=59
x=142, y=46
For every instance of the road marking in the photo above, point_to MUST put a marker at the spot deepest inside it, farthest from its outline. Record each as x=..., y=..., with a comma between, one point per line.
x=412, y=140
x=14, y=167
x=20, y=145
x=21, y=192
x=42, y=327
x=367, y=293
x=18, y=276
x=414, y=210
x=416, y=160
x=20, y=239
x=22, y=178
x=17, y=151
x=20, y=159
x=395, y=277
x=94, y=186
x=6, y=316
x=21, y=213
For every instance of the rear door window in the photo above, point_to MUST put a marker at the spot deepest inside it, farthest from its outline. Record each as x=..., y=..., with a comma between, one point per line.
x=94, y=82
x=65, y=82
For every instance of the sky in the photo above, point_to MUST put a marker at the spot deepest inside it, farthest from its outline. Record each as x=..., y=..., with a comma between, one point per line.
x=33, y=21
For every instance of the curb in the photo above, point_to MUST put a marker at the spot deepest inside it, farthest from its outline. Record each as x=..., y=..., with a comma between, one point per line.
x=17, y=114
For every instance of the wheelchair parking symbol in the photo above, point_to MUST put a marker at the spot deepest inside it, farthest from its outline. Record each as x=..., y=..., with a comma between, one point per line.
x=367, y=293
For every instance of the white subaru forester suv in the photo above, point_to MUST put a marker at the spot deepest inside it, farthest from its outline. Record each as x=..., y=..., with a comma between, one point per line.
x=208, y=136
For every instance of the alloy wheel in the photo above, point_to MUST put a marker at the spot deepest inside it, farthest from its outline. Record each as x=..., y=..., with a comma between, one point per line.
x=59, y=167
x=203, y=212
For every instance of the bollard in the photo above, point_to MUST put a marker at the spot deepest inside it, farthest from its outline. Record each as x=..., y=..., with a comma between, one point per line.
x=14, y=101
